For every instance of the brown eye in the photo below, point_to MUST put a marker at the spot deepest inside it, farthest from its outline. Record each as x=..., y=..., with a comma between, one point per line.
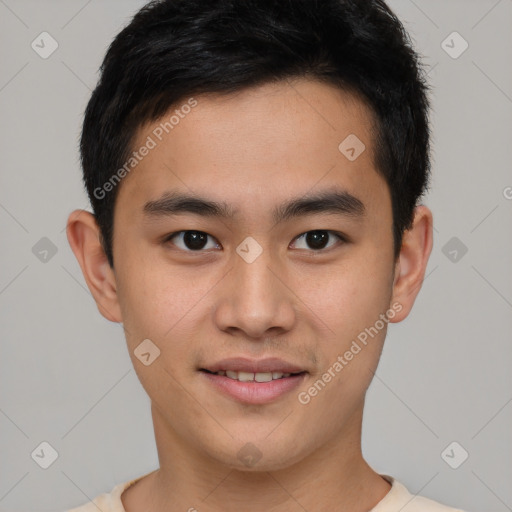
x=318, y=239
x=190, y=241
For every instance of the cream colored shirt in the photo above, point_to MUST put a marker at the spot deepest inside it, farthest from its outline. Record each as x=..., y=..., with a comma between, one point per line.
x=397, y=499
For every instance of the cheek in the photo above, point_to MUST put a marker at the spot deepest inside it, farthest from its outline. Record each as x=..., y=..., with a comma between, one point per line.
x=351, y=295
x=158, y=304
x=352, y=307
x=159, y=301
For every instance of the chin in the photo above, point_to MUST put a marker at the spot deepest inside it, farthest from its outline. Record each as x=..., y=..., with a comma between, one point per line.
x=259, y=455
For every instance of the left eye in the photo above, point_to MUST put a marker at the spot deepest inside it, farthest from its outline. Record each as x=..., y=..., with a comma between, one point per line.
x=194, y=241
x=318, y=238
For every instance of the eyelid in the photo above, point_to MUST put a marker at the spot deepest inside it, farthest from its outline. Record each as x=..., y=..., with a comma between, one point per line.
x=168, y=237
x=343, y=239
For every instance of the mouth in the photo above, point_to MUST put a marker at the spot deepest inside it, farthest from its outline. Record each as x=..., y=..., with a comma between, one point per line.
x=253, y=377
x=253, y=387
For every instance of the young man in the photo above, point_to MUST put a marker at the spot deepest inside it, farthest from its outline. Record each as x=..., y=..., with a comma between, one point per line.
x=255, y=167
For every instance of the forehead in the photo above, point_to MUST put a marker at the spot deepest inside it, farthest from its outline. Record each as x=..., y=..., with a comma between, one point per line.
x=254, y=148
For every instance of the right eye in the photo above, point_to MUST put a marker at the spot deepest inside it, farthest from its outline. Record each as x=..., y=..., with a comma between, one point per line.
x=191, y=241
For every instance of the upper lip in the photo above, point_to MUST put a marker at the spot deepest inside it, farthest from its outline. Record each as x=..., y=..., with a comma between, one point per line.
x=242, y=364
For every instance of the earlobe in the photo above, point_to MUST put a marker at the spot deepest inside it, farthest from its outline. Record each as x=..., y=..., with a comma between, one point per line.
x=84, y=238
x=412, y=261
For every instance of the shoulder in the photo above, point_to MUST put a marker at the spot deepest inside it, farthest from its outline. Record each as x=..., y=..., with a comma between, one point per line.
x=107, y=501
x=422, y=504
x=399, y=498
x=103, y=502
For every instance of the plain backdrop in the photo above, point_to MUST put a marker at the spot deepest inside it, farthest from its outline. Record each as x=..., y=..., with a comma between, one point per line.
x=443, y=388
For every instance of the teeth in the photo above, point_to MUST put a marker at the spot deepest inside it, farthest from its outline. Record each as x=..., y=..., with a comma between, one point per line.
x=245, y=376
x=263, y=377
x=251, y=377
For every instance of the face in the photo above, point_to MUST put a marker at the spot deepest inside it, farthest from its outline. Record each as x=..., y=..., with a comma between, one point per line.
x=291, y=272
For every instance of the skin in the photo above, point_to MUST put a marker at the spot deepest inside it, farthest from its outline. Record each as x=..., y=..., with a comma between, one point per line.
x=255, y=150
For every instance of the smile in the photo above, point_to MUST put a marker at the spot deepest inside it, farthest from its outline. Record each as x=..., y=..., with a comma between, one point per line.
x=253, y=388
x=252, y=377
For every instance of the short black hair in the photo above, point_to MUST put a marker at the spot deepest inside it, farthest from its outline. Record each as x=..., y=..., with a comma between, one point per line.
x=173, y=49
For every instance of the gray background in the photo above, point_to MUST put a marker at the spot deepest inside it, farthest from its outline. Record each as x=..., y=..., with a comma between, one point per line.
x=66, y=377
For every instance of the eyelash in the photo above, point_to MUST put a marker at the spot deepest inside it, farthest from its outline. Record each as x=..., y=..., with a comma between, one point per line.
x=341, y=237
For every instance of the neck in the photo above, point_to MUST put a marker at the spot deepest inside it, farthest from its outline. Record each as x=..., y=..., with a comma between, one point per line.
x=333, y=477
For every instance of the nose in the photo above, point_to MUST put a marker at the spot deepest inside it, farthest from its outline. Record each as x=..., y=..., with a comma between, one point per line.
x=255, y=298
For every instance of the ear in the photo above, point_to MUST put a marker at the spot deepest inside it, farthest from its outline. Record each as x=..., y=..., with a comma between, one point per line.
x=84, y=238
x=412, y=262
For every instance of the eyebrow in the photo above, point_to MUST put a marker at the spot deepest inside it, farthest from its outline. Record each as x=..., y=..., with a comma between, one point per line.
x=338, y=202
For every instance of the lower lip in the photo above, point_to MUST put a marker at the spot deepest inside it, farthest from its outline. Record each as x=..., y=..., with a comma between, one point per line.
x=254, y=392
